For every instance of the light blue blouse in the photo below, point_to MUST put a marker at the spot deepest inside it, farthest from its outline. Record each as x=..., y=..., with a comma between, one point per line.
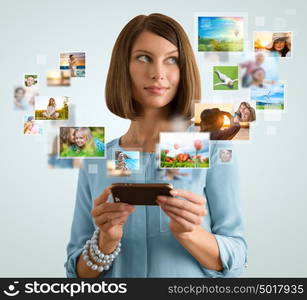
x=148, y=247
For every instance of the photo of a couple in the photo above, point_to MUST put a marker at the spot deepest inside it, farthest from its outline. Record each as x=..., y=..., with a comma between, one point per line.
x=82, y=142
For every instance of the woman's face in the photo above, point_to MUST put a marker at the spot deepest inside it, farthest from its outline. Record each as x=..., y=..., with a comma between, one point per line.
x=279, y=45
x=154, y=70
x=71, y=135
x=242, y=107
x=19, y=94
x=246, y=115
x=225, y=155
x=30, y=81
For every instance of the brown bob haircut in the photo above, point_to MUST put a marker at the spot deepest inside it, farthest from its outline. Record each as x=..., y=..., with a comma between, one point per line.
x=118, y=91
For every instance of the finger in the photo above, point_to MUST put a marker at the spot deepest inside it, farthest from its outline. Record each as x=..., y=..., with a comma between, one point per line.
x=185, y=224
x=196, y=209
x=195, y=198
x=111, y=207
x=190, y=217
x=115, y=222
x=103, y=197
x=106, y=217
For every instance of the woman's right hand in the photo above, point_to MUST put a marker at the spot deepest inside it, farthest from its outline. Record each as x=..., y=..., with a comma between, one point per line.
x=110, y=217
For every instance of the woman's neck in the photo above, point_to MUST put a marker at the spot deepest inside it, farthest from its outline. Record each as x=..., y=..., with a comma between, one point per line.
x=143, y=132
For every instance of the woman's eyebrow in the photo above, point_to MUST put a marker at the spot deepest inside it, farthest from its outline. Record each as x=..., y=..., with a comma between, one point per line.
x=145, y=51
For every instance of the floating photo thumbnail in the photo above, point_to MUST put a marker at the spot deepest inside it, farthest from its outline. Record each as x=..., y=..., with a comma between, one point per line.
x=220, y=33
x=30, y=79
x=274, y=43
x=20, y=101
x=86, y=142
x=58, y=78
x=244, y=112
x=31, y=87
x=269, y=97
x=225, y=156
x=222, y=120
x=258, y=69
x=184, y=150
x=51, y=108
x=225, y=78
x=74, y=62
x=30, y=126
x=127, y=160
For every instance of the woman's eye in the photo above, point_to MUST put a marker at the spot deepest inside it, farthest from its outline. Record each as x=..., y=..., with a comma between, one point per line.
x=172, y=60
x=143, y=58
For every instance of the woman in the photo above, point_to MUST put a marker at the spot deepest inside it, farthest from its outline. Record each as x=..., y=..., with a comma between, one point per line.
x=152, y=77
x=280, y=44
x=245, y=113
x=20, y=101
x=51, y=112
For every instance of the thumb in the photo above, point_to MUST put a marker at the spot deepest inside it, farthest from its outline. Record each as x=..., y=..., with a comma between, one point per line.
x=103, y=197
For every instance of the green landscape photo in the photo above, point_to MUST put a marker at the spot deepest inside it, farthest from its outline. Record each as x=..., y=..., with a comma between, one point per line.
x=225, y=78
x=220, y=34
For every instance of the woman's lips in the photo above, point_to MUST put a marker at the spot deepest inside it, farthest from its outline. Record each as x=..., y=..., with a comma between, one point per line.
x=156, y=90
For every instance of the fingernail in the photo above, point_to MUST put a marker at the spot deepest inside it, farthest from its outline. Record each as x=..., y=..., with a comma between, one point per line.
x=173, y=192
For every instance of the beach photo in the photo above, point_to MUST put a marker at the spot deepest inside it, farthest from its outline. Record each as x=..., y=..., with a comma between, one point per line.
x=51, y=108
x=269, y=97
x=274, y=43
x=220, y=33
x=127, y=160
x=86, y=142
x=184, y=150
x=222, y=120
x=225, y=78
x=112, y=171
x=74, y=62
x=58, y=78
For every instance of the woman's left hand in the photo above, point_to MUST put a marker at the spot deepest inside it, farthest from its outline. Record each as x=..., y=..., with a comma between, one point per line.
x=185, y=214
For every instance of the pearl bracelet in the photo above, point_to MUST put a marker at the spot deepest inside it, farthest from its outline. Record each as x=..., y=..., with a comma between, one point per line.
x=102, y=262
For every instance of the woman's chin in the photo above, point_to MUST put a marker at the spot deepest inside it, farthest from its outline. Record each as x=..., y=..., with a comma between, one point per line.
x=155, y=102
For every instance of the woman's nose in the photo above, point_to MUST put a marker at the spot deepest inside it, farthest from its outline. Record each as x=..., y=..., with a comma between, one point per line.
x=157, y=72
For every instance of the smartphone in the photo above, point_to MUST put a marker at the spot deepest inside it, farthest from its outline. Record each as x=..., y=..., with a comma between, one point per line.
x=139, y=193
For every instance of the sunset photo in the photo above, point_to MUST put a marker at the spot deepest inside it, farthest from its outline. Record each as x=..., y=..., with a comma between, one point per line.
x=74, y=62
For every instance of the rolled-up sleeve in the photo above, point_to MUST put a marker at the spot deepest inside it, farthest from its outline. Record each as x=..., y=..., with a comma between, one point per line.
x=82, y=225
x=222, y=191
